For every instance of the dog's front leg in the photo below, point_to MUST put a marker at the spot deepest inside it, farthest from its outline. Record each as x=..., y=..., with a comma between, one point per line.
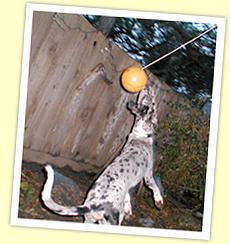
x=127, y=206
x=151, y=183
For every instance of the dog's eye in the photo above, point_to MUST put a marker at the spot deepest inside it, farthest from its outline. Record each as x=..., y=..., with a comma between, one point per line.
x=144, y=110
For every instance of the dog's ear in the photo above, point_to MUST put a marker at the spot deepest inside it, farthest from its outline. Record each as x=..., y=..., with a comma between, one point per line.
x=112, y=216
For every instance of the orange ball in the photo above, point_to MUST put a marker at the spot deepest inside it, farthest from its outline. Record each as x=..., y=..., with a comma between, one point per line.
x=134, y=79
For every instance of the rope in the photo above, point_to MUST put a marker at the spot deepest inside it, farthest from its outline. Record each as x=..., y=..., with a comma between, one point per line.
x=181, y=46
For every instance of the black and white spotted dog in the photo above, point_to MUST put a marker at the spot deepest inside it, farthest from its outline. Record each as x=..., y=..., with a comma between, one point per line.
x=108, y=201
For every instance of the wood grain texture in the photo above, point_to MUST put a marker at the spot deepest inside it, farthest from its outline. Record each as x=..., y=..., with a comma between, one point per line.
x=76, y=108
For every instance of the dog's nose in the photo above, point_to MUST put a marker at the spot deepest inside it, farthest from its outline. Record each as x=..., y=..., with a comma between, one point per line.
x=131, y=104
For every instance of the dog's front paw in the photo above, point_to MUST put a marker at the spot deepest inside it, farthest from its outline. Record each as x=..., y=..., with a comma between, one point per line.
x=128, y=210
x=159, y=201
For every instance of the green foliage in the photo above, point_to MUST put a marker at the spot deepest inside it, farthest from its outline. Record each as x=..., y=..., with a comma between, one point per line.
x=146, y=40
x=182, y=149
x=25, y=186
x=26, y=191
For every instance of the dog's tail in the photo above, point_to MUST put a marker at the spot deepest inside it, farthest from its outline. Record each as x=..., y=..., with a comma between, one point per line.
x=52, y=205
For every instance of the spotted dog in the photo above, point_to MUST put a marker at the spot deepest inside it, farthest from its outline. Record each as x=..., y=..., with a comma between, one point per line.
x=108, y=201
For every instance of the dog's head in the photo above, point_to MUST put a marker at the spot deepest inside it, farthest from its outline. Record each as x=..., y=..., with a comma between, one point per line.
x=144, y=110
x=138, y=109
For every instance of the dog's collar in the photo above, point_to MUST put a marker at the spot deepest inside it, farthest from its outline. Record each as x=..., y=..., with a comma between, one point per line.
x=144, y=136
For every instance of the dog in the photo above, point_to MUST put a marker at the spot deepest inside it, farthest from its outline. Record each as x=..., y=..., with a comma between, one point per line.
x=108, y=201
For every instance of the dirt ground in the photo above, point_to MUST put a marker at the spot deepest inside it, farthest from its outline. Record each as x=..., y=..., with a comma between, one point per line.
x=71, y=187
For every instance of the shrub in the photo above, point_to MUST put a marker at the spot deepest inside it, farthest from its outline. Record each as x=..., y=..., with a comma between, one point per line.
x=182, y=155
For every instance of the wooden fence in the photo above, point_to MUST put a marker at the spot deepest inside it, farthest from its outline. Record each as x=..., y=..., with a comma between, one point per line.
x=76, y=109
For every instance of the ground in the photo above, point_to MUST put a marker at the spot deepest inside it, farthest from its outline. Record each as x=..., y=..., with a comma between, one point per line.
x=71, y=188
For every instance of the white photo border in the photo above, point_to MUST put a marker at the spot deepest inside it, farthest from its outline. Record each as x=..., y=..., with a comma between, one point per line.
x=206, y=227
